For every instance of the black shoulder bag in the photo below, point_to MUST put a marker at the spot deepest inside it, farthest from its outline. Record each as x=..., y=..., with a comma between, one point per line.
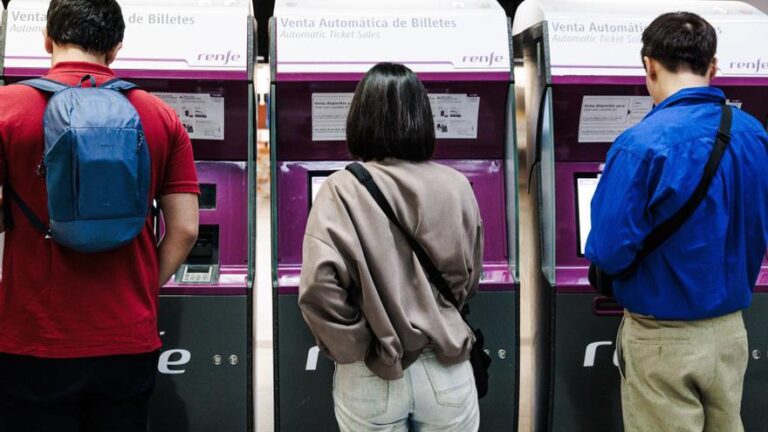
x=479, y=359
x=601, y=281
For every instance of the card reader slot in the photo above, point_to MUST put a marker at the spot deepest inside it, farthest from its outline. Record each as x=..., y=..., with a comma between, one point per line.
x=606, y=307
x=206, y=248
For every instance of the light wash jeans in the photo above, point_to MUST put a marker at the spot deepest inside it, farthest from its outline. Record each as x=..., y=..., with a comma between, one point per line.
x=430, y=397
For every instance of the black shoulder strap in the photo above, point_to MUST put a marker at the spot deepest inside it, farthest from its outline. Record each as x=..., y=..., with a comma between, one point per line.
x=433, y=274
x=30, y=215
x=666, y=229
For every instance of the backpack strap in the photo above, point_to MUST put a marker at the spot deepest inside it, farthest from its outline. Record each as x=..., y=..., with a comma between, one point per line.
x=118, y=85
x=45, y=85
x=30, y=215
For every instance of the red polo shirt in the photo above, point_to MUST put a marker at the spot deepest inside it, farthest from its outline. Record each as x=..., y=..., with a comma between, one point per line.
x=58, y=303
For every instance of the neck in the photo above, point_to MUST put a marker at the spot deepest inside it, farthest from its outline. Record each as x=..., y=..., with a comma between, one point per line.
x=70, y=53
x=672, y=83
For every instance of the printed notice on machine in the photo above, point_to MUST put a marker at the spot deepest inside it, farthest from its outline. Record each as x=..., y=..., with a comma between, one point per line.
x=455, y=115
x=201, y=114
x=329, y=116
x=604, y=118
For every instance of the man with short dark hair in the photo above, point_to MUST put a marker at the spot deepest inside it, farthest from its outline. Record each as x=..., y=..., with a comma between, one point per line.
x=78, y=332
x=682, y=346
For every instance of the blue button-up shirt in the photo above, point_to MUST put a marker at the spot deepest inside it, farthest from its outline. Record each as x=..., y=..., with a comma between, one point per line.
x=709, y=267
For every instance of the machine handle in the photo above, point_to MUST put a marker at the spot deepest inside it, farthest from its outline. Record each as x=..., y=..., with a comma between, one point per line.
x=539, y=131
x=606, y=307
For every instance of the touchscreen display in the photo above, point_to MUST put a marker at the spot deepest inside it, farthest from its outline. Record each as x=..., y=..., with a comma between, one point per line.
x=316, y=180
x=585, y=190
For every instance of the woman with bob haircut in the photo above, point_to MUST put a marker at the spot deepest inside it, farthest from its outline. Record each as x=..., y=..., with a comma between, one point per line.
x=401, y=349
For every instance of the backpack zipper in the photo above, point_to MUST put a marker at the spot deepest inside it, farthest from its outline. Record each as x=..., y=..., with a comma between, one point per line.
x=40, y=170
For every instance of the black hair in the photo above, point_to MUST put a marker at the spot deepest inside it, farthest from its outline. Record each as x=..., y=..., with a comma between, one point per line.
x=390, y=116
x=96, y=26
x=681, y=39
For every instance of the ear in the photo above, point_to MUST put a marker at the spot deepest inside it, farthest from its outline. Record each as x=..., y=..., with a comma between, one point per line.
x=48, y=42
x=713, y=69
x=112, y=55
x=651, y=68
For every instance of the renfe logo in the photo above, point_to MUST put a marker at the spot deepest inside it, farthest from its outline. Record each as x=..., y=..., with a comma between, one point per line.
x=487, y=60
x=756, y=66
x=173, y=358
x=220, y=58
x=591, y=352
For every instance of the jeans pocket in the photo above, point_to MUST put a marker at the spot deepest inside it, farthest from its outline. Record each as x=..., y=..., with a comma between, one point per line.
x=359, y=391
x=453, y=384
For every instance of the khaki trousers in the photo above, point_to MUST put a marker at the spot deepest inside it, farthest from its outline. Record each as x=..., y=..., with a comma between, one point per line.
x=682, y=375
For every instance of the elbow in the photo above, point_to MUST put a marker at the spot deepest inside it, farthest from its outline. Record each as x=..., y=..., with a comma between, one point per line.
x=181, y=235
x=188, y=234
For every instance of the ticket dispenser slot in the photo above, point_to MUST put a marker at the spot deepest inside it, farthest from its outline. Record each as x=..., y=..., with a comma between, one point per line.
x=202, y=264
x=207, y=198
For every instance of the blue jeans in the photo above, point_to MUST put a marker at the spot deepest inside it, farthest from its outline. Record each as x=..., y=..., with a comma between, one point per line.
x=431, y=396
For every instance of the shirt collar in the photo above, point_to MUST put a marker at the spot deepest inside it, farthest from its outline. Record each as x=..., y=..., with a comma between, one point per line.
x=81, y=67
x=691, y=96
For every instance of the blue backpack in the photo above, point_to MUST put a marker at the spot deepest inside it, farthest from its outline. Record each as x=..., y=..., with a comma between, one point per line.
x=96, y=166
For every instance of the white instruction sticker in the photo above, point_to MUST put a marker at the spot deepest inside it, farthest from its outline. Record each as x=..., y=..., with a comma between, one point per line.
x=201, y=114
x=604, y=118
x=329, y=116
x=455, y=115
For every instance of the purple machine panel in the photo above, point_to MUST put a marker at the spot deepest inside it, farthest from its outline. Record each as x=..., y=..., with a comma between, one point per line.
x=574, y=159
x=235, y=94
x=223, y=240
x=298, y=157
x=294, y=121
x=294, y=201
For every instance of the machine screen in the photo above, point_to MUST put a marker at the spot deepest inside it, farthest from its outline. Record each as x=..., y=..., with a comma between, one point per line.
x=207, y=199
x=316, y=179
x=586, y=184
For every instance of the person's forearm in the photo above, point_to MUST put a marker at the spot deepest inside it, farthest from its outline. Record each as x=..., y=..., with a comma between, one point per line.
x=172, y=252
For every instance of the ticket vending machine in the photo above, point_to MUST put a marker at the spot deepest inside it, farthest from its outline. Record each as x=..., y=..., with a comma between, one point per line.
x=3, y=19
x=318, y=56
x=584, y=86
x=205, y=317
x=2, y=83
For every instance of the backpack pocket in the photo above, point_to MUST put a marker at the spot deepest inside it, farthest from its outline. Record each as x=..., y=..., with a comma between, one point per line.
x=107, y=171
x=60, y=179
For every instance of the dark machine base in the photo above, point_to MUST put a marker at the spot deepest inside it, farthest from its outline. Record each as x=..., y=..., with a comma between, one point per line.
x=203, y=380
x=304, y=402
x=585, y=382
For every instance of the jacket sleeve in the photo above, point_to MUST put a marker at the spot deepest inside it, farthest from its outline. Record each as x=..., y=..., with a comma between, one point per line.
x=326, y=287
x=620, y=219
x=477, y=259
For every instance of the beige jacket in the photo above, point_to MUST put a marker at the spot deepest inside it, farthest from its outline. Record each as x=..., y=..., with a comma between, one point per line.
x=363, y=292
